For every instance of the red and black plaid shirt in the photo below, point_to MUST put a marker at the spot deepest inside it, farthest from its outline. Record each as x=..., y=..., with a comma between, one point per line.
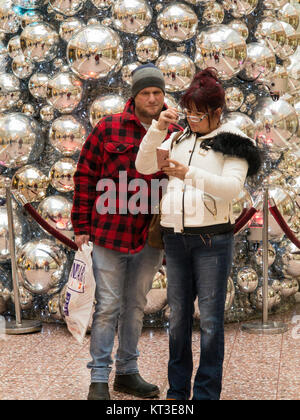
x=110, y=149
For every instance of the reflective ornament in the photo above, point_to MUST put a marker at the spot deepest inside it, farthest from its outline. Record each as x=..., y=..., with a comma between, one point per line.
x=247, y=280
x=61, y=175
x=259, y=256
x=230, y=294
x=39, y=42
x=234, y=98
x=21, y=140
x=239, y=8
x=37, y=85
x=178, y=70
x=30, y=17
x=276, y=81
x=69, y=27
x=289, y=287
x=54, y=307
x=29, y=4
x=288, y=13
x=132, y=17
x=160, y=280
x=283, y=201
x=291, y=41
x=240, y=27
x=56, y=210
x=47, y=113
x=4, y=234
x=22, y=67
x=67, y=7
x=31, y=183
x=171, y=102
x=94, y=51
x=241, y=121
x=25, y=298
x=271, y=30
x=156, y=301
x=213, y=13
x=14, y=46
x=294, y=182
x=3, y=57
x=147, y=49
x=5, y=293
x=241, y=202
x=272, y=298
x=291, y=260
x=127, y=72
x=9, y=91
x=9, y=18
x=274, y=4
x=41, y=264
x=64, y=92
x=177, y=22
x=67, y=135
x=221, y=47
x=276, y=122
x=102, y=4
x=260, y=61
x=105, y=105
x=28, y=109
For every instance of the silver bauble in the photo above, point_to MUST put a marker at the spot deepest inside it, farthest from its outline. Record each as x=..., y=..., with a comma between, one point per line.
x=64, y=92
x=29, y=4
x=3, y=57
x=31, y=183
x=25, y=298
x=259, y=255
x=61, y=175
x=54, y=307
x=234, y=98
x=274, y=4
x=241, y=202
x=241, y=121
x=30, y=17
x=67, y=135
x=288, y=13
x=9, y=91
x=37, y=85
x=102, y=4
x=213, y=13
x=271, y=31
x=127, y=72
x=39, y=42
x=9, y=18
x=260, y=60
x=170, y=101
x=14, y=46
x=276, y=122
x=272, y=298
x=177, y=22
x=47, y=113
x=132, y=17
x=147, y=49
x=105, y=105
x=69, y=27
x=247, y=280
x=291, y=260
x=41, y=264
x=67, y=7
x=229, y=294
x=291, y=41
x=94, y=51
x=240, y=27
x=239, y=8
x=21, y=140
x=56, y=210
x=178, y=70
x=4, y=234
x=289, y=287
x=22, y=67
x=221, y=47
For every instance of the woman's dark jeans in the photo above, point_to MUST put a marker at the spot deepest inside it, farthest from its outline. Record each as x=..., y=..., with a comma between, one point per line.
x=197, y=266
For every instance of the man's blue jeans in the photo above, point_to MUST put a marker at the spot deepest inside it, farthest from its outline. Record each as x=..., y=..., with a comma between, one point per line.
x=197, y=266
x=122, y=283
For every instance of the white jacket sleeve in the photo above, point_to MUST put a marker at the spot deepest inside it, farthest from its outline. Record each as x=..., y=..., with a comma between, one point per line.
x=227, y=185
x=146, y=161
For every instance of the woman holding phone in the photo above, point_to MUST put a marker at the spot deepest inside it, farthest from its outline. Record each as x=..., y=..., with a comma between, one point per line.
x=209, y=162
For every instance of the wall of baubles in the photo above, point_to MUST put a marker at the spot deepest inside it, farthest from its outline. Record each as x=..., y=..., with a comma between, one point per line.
x=64, y=64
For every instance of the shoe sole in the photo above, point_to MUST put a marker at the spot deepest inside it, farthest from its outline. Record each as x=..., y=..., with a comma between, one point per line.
x=124, y=390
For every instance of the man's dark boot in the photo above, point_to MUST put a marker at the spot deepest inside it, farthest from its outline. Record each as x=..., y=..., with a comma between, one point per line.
x=134, y=384
x=98, y=391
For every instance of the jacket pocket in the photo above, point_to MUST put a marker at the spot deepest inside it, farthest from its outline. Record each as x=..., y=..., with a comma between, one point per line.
x=113, y=147
x=117, y=157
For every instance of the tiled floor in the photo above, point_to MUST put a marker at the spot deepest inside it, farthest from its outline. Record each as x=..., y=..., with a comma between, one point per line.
x=51, y=365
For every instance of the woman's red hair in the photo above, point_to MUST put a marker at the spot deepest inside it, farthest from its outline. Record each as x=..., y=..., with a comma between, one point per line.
x=205, y=91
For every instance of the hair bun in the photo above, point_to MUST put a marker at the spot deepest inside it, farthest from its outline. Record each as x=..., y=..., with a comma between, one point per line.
x=208, y=73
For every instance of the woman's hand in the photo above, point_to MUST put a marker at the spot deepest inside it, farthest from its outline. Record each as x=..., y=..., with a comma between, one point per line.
x=178, y=169
x=167, y=117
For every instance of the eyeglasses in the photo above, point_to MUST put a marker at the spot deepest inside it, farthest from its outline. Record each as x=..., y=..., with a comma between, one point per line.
x=192, y=118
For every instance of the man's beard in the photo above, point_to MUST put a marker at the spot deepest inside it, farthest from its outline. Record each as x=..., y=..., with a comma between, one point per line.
x=147, y=114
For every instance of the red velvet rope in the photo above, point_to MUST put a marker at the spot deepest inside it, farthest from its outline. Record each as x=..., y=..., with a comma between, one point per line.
x=62, y=238
x=241, y=222
x=282, y=223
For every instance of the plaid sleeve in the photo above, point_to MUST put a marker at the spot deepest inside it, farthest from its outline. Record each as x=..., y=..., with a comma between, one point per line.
x=86, y=177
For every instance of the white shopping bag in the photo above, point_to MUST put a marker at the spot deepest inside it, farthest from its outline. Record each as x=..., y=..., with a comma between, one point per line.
x=80, y=293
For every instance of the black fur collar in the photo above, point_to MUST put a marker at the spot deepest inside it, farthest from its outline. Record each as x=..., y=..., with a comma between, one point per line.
x=234, y=145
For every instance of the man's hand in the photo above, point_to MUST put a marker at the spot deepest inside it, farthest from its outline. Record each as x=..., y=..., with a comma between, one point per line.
x=178, y=169
x=167, y=117
x=81, y=239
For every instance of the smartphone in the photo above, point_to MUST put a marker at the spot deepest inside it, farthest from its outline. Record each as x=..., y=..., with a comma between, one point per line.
x=162, y=155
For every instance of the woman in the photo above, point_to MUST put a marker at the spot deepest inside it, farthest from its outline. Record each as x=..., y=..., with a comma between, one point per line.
x=208, y=167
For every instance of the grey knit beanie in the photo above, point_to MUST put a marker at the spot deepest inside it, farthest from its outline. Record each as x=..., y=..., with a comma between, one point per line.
x=147, y=75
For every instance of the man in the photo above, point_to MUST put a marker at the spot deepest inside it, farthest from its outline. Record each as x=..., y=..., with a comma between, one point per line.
x=124, y=264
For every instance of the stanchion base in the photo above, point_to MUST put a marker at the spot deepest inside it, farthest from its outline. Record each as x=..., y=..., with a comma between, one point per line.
x=26, y=327
x=270, y=327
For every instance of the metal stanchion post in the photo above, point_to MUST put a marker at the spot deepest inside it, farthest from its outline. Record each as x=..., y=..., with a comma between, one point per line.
x=265, y=327
x=18, y=326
